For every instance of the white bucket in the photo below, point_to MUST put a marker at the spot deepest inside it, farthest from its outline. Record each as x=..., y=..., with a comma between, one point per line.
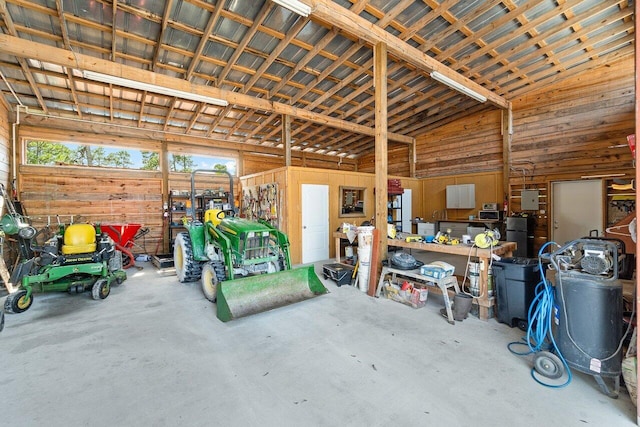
x=474, y=278
x=365, y=242
x=348, y=251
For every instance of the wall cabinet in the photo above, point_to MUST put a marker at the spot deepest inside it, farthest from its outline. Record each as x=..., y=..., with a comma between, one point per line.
x=462, y=196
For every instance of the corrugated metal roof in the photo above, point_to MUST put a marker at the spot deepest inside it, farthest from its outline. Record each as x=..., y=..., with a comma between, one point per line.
x=315, y=64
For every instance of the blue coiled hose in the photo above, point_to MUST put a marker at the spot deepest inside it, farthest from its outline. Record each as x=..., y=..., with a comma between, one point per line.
x=539, y=330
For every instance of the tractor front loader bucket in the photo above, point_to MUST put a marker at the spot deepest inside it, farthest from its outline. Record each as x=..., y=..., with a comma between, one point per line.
x=255, y=294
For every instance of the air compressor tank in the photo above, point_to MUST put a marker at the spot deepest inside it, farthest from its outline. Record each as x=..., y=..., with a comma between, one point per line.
x=588, y=326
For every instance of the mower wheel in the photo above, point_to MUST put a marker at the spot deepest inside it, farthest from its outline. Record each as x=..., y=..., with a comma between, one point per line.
x=209, y=281
x=187, y=268
x=18, y=302
x=100, y=289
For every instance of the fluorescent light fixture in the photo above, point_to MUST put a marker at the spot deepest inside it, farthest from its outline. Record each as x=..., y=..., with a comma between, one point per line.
x=105, y=78
x=605, y=175
x=457, y=86
x=295, y=6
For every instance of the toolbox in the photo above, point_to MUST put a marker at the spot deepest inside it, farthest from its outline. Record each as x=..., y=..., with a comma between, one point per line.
x=162, y=261
x=339, y=273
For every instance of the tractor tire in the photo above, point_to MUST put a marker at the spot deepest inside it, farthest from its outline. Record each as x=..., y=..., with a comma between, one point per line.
x=221, y=272
x=209, y=281
x=100, y=289
x=187, y=268
x=18, y=302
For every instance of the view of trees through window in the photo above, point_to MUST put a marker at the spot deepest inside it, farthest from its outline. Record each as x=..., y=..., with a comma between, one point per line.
x=58, y=153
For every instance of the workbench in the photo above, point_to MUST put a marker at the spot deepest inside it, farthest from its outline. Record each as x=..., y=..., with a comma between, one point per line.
x=503, y=249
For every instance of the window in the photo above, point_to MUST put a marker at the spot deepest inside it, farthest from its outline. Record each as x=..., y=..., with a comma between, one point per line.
x=188, y=163
x=352, y=201
x=50, y=153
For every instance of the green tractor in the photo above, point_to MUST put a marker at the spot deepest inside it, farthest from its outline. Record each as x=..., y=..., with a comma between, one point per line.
x=244, y=266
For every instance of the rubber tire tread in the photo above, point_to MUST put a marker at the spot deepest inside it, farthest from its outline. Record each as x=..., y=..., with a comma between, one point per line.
x=220, y=270
x=11, y=303
x=192, y=268
x=96, y=289
x=212, y=273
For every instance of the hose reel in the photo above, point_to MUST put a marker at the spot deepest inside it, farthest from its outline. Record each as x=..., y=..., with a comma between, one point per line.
x=487, y=239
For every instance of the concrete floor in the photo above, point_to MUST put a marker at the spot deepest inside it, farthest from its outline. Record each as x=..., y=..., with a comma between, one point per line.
x=154, y=354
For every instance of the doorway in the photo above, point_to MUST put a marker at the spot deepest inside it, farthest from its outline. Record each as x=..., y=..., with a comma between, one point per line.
x=315, y=222
x=577, y=210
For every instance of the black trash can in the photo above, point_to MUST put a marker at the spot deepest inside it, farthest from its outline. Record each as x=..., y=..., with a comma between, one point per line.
x=515, y=280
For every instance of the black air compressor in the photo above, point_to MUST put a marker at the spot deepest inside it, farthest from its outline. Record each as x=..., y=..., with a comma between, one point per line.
x=588, y=312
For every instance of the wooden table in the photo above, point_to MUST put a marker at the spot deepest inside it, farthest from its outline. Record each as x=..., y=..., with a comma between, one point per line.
x=504, y=249
x=337, y=236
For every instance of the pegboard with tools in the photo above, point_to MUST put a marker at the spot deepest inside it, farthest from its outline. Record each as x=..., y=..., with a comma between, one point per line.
x=261, y=202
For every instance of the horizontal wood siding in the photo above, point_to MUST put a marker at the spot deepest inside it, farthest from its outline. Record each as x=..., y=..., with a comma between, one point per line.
x=469, y=145
x=255, y=163
x=94, y=196
x=398, y=161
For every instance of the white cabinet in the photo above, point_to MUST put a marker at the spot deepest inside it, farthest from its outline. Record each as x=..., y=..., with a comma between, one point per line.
x=462, y=196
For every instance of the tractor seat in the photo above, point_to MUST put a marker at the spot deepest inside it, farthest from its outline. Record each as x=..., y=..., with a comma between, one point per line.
x=79, y=239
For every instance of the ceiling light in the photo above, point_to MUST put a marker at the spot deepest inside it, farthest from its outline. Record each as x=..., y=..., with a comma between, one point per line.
x=606, y=175
x=295, y=6
x=105, y=78
x=457, y=86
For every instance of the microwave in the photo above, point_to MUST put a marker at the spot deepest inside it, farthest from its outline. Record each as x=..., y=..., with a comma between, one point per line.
x=489, y=215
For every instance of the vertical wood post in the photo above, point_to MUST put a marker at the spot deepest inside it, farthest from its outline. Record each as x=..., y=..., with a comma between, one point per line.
x=164, y=170
x=507, y=132
x=380, y=83
x=286, y=138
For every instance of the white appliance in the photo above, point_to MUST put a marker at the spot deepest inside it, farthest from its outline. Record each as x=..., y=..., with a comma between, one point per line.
x=426, y=228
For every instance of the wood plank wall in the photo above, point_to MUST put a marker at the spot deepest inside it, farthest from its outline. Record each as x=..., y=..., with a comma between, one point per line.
x=398, y=158
x=81, y=195
x=256, y=163
x=569, y=130
x=469, y=145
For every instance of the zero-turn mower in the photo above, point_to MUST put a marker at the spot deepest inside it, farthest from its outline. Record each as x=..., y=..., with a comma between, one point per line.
x=76, y=259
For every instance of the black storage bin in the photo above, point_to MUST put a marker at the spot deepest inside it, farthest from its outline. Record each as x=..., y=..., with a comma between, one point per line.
x=515, y=280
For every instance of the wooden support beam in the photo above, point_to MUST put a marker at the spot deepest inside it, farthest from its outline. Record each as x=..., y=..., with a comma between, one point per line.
x=164, y=168
x=380, y=79
x=507, y=132
x=22, y=48
x=286, y=139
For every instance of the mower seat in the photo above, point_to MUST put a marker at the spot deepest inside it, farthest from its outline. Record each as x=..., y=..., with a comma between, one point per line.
x=79, y=239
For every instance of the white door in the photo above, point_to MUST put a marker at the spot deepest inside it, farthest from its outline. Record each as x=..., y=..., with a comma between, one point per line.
x=577, y=210
x=315, y=223
x=406, y=211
